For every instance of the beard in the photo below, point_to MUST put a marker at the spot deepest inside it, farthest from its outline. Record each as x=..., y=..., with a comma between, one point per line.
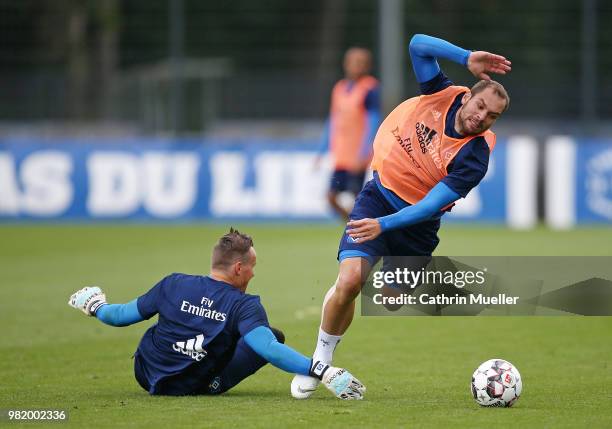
x=471, y=126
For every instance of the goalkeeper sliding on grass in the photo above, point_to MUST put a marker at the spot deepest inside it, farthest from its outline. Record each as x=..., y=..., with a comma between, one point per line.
x=210, y=334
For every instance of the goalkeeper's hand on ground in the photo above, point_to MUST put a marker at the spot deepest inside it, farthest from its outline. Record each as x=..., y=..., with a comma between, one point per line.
x=341, y=382
x=88, y=300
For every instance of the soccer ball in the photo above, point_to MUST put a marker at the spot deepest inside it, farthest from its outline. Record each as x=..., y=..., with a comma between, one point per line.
x=496, y=383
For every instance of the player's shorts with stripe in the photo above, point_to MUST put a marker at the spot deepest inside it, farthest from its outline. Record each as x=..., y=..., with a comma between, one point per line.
x=415, y=240
x=343, y=180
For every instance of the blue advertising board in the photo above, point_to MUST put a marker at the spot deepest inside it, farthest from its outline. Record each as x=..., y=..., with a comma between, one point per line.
x=593, y=181
x=189, y=180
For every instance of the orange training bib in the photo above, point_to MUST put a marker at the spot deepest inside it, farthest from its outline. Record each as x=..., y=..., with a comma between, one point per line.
x=349, y=122
x=411, y=151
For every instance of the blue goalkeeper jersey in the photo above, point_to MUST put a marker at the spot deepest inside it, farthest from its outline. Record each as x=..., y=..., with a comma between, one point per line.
x=200, y=322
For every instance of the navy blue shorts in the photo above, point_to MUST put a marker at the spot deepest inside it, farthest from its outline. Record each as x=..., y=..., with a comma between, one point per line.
x=415, y=240
x=343, y=180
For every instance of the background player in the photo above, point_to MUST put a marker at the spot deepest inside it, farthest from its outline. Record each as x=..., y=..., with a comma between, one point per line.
x=354, y=116
x=210, y=334
x=429, y=152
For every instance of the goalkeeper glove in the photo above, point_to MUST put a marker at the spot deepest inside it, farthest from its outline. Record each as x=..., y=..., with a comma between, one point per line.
x=88, y=300
x=338, y=380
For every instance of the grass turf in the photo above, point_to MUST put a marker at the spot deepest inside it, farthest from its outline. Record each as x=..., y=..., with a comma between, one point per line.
x=417, y=370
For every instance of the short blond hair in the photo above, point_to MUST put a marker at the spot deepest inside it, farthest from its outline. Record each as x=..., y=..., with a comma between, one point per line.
x=232, y=247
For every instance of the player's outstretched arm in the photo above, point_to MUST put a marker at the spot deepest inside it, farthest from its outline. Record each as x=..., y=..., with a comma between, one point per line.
x=92, y=302
x=120, y=314
x=439, y=197
x=338, y=380
x=424, y=51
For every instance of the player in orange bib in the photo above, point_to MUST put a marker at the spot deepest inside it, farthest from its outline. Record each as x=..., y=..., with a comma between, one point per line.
x=354, y=116
x=430, y=151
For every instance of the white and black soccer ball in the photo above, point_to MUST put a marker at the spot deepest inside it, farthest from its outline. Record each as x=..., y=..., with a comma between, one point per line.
x=496, y=383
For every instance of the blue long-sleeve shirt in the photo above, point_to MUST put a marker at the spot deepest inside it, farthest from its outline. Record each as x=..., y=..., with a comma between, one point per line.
x=439, y=197
x=265, y=344
x=261, y=339
x=469, y=165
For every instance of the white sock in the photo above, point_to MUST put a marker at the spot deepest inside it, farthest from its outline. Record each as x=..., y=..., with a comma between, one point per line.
x=326, y=344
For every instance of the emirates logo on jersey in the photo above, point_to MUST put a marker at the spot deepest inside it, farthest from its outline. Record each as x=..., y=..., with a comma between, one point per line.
x=406, y=144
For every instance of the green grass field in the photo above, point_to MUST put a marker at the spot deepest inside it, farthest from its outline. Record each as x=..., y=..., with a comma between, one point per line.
x=417, y=370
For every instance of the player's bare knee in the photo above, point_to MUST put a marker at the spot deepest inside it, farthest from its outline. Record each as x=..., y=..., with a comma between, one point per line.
x=348, y=285
x=346, y=294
